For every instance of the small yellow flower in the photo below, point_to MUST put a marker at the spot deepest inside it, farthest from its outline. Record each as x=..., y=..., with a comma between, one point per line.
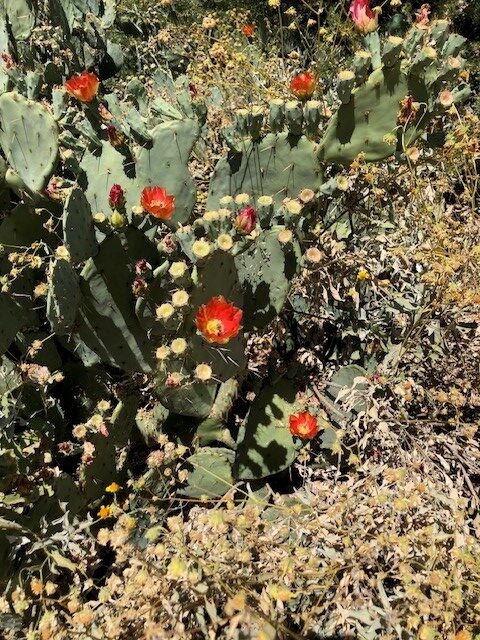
x=203, y=372
x=201, y=248
x=177, y=269
x=242, y=198
x=225, y=200
x=180, y=298
x=165, y=311
x=285, y=236
x=113, y=488
x=162, y=353
x=178, y=346
x=224, y=241
x=363, y=274
x=265, y=201
x=211, y=216
x=105, y=511
x=293, y=207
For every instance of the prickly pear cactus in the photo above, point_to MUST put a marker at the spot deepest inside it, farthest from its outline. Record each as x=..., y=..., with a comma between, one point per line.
x=29, y=139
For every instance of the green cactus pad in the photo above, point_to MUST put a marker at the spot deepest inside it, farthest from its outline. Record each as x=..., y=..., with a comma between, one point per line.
x=228, y=359
x=211, y=473
x=194, y=399
x=12, y=316
x=280, y=165
x=362, y=124
x=149, y=422
x=123, y=420
x=107, y=321
x=21, y=17
x=63, y=299
x=165, y=163
x=265, y=445
x=78, y=230
x=29, y=139
x=265, y=271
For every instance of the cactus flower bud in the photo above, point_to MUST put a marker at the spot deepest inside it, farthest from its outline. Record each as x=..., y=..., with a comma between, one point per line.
x=246, y=220
x=303, y=85
x=118, y=220
x=364, y=18
x=304, y=425
x=116, y=197
x=83, y=86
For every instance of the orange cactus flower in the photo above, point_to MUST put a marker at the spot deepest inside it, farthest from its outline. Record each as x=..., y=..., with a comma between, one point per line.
x=303, y=85
x=248, y=30
x=156, y=201
x=304, y=425
x=83, y=86
x=218, y=320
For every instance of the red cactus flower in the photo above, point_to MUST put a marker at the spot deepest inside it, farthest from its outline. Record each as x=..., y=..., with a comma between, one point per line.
x=364, y=18
x=303, y=85
x=116, y=197
x=246, y=220
x=155, y=201
x=193, y=90
x=83, y=86
x=248, y=30
x=218, y=320
x=304, y=425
